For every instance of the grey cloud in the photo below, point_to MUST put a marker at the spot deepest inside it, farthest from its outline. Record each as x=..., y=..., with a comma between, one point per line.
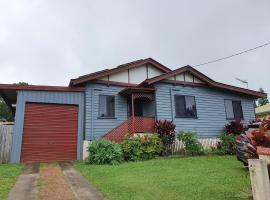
x=49, y=42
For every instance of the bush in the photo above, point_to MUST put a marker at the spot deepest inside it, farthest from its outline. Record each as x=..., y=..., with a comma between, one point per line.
x=234, y=127
x=103, y=151
x=137, y=148
x=227, y=144
x=166, y=131
x=192, y=145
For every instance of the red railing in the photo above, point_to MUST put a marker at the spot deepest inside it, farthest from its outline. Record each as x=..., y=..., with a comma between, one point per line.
x=131, y=126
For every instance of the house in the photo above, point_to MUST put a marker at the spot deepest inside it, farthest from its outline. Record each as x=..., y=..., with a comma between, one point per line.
x=53, y=123
x=263, y=111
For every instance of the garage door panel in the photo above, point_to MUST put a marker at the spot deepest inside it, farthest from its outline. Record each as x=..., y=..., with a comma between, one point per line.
x=50, y=132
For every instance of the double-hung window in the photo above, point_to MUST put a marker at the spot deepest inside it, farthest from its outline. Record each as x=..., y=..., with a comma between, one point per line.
x=233, y=109
x=185, y=106
x=106, y=106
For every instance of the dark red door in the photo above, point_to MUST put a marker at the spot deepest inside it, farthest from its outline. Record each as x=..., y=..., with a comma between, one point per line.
x=49, y=132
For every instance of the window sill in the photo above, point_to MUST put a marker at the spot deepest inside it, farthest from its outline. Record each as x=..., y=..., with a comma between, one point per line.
x=186, y=117
x=106, y=118
x=233, y=119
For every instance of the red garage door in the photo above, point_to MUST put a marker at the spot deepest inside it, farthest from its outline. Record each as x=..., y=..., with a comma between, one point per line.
x=49, y=132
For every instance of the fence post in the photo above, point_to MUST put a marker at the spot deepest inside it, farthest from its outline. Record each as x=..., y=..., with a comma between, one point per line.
x=259, y=179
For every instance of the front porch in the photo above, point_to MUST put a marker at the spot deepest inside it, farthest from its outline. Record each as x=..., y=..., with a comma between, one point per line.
x=141, y=114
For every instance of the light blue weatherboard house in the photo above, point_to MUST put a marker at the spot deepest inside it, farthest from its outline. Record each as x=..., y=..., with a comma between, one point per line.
x=53, y=123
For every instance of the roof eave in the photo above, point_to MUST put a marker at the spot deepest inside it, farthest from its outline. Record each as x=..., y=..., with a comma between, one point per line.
x=40, y=88
x=209, y=81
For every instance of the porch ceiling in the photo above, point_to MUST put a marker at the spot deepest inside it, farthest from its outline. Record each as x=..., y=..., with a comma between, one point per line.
x=135, y=90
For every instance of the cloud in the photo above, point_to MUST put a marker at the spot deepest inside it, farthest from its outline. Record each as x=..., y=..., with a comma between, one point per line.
x=50, y=42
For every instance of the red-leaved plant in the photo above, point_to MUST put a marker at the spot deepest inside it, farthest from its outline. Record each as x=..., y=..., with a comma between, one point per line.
x=261, y=137
x=247, y=143
x=234, y=127
x=166, y=131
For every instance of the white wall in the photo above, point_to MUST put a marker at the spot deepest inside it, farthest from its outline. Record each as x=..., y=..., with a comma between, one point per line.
x=137, y=75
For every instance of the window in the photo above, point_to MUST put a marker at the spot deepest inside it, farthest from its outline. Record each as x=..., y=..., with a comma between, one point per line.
x=233, y=109
x=106, y=106
x=185, y=106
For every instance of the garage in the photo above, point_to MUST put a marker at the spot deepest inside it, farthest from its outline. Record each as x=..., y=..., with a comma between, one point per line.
x=50, y=132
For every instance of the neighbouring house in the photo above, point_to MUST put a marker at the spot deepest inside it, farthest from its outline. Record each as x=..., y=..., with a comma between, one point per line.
x=263, y=111
x=53, y=123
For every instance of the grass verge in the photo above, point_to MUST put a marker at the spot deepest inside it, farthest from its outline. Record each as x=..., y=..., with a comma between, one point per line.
x=8, y=176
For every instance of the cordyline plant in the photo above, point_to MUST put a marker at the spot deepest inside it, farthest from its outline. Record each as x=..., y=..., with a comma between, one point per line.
x=166, y=131
x=234, y=127
x=247, y=143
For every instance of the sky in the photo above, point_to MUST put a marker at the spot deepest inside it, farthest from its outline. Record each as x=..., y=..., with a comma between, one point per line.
x=48, y=42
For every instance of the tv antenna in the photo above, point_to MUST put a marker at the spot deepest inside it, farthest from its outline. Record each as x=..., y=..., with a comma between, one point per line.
x=243, y=81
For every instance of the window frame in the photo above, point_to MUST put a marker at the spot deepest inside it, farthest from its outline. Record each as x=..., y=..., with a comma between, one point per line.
x=185, y=117
x=232, y=100
x=99, y=114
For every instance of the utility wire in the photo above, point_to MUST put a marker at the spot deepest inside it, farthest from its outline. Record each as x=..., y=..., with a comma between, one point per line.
x=233, y=55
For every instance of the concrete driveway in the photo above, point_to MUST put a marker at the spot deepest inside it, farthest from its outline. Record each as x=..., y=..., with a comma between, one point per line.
x=53, y=181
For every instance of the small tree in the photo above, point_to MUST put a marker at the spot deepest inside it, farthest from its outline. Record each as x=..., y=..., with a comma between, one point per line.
x=262, y=101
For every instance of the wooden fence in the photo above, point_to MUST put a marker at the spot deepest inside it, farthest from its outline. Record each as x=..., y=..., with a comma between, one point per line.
x=5, y=142
x=207, y=143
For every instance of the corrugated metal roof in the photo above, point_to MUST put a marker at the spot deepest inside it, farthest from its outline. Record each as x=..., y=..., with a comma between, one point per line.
x=263, y=109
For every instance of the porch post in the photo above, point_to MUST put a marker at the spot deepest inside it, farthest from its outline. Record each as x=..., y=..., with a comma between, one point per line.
x=132, y=105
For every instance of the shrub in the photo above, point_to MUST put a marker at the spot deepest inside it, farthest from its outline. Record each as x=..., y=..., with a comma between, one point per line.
x=145, y=147
x=247, y=143
x=192, y=145
x=166, y=131
x=234, y=127
x=103, y=151
x=227, y=144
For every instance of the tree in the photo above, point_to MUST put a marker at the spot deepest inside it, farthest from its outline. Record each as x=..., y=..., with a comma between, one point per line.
x=5, y=112
x=262, y=101
x=21, y=83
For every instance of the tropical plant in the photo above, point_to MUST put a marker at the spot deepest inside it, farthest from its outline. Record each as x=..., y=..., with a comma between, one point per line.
x=245, y=149
x=143, y=147
x=234, y=127
x=247, y=143
x=192, y=145
x=103, y=151
x=166, y=131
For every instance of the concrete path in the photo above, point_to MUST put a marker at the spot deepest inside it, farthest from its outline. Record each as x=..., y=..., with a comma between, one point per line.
x=48, y=181
x=26, y=186
x=82, y=189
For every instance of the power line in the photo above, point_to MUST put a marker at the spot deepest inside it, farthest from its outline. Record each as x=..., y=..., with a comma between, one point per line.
x=233, y=55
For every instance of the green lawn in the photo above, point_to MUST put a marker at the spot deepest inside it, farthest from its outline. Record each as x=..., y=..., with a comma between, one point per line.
x=205, y=178
x=8, y=176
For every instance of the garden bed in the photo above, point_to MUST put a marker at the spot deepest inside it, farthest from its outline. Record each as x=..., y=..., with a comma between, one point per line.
x=204, y=177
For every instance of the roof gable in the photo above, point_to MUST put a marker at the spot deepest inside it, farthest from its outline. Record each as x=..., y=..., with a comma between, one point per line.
x=119, y=71
x=204, y=79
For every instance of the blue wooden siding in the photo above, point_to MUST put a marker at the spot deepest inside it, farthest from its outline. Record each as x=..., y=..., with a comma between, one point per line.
x=76, y=98
x=94, y=126
x=210, y=108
